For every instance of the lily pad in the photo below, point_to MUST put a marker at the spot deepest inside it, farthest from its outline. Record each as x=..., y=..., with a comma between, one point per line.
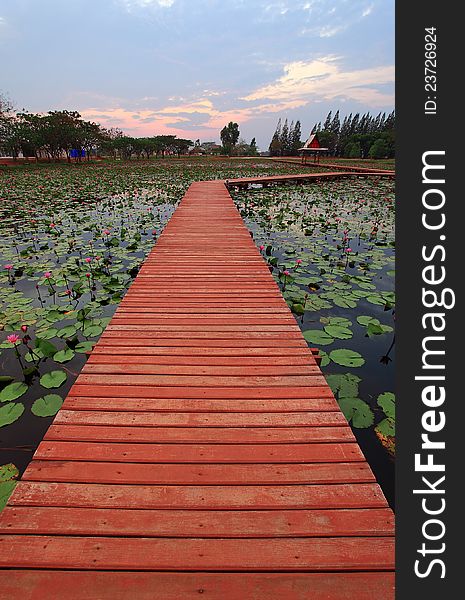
x=47, y=406
x=84, y=347
x=46, y=348
x=324, y=358
x=339, y=332
x=63, y=356
x=387, y=401
x=386, y=427
x=13, y=391
x=347, y=358
x=54, y=379
x=344, y=385
x=357, y=411
x=8, y=479
x=9, y=413
x=318, y=336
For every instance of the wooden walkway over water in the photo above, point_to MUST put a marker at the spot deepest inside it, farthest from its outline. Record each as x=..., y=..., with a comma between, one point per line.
x=200, y=450
x=245, y=182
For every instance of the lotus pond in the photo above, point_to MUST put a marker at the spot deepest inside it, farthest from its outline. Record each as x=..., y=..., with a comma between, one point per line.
x=330, y=248
x=72, y=238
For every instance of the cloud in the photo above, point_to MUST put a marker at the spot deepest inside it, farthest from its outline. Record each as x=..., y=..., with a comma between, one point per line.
x=368, y=10
x=181, y=119
x=328, y=31
x=324, y=79
x=131, y=4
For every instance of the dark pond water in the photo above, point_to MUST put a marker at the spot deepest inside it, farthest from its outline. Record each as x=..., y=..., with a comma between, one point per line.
x=306, y=231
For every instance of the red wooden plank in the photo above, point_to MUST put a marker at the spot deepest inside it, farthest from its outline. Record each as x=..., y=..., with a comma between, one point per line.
x=319, y=390
x=195, y=524
x=199, y=453
x=94, y=585
x=211, y=497
x=202, y=435
x=274, y=554
x=273, y=362
x=195, y=474
x=312, y=403
x=212, y=419
x=127, y=368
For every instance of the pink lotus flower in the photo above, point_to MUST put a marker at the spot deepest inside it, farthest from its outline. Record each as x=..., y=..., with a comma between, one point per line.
x=8, y=267
x=87, y=274
x=286, y=273
x=88, y=260
x=47, y=275
x=52, y=225
x=106, y=232
x=13, y=338
x=262, y=248
x=24, y=328
x=154, y=232
x=348, y=250
x=298, y=261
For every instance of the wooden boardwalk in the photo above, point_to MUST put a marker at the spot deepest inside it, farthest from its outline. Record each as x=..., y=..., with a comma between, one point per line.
x=200, y=450
x=245, y=182
x=336, y=166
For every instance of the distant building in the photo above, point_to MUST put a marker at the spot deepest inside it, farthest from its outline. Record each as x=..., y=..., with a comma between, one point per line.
x=197, y=151
x=211, y=148
x=313, y=148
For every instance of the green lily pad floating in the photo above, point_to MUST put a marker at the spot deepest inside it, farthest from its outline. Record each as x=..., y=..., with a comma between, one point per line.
x=46, y=348
x=13, y=391
x=364, y=320
x=318, y=336
x=324, y=358
x=386, y=427
x=63, y=356
x=9, y=413
x=347, y=358
x=387, y=401
x=357, y=411
x=84, y=347
x=339, y=332
x=345, y=302
x=5, y=380
x=366, y=286
x=298, y=309
x=54, y=379
x=92, y=331
x=47, y=334
x=47, y=406
x=344, y=385
x=8, y=479
x=67, y=331
x=378, y=300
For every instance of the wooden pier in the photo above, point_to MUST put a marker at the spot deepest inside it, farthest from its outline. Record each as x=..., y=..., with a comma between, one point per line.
x=296, y=178
x=200, y=451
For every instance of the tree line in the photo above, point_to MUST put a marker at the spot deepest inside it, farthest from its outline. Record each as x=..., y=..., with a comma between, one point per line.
x=357, y=136
x=63, y=133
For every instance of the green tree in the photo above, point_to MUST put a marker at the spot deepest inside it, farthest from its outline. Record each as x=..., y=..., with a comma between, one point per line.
x=275, y=144
x=379, y=149
x=253, y=147
x=295, y=142
x=229, y=137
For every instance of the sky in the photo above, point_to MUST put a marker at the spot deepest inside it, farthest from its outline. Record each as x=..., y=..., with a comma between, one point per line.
x=188, y=67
